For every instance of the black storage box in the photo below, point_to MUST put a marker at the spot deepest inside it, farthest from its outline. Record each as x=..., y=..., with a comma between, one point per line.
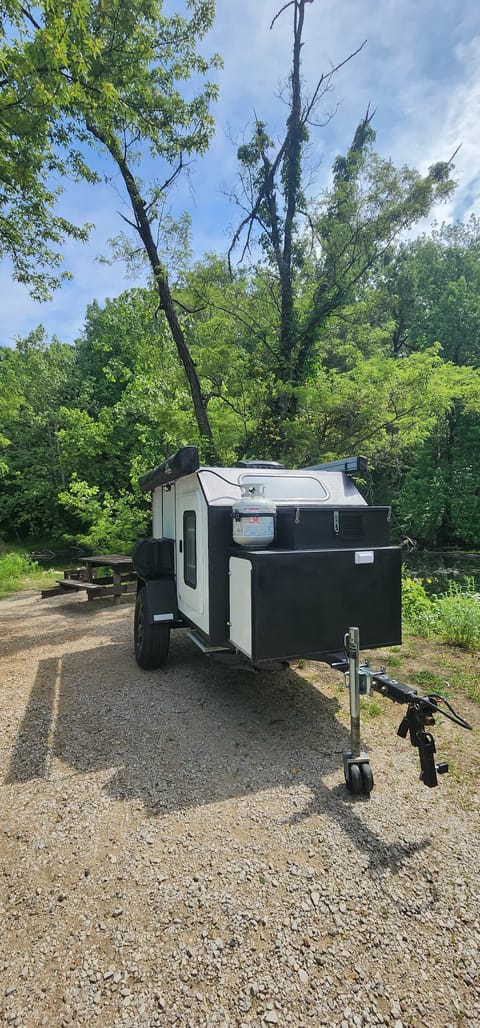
x=303, y=603
x=305, y=528
x=153, y=557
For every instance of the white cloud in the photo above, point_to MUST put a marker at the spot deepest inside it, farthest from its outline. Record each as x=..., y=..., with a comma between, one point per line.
x=419, y=69
x=460, y=126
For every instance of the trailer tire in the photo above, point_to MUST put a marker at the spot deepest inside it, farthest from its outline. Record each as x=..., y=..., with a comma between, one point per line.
x=367, y=778
x=354, y=780
x=151, y=640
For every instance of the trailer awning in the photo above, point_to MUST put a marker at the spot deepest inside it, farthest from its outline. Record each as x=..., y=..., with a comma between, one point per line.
x=183, y=462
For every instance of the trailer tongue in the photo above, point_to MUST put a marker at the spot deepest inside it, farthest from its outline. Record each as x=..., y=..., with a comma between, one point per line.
x=362, y=680
x=276, y=564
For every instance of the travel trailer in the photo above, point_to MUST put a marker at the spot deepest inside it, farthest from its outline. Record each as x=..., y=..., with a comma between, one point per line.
x=277, y=565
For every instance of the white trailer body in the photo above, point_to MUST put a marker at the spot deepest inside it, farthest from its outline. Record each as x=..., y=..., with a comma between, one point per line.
x=289, y=587
x=329, y=555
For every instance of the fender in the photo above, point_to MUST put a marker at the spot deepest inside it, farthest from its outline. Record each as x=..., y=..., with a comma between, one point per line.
x=160, y=597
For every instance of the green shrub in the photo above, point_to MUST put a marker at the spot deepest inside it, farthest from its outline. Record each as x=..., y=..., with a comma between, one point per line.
x=457, y=616
x=14, y=567
x=417, y=610
x=454, y=618
x=112, y=524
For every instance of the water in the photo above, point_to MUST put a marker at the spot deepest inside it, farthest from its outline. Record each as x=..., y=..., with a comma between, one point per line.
x=69, y=556
x=437, y=570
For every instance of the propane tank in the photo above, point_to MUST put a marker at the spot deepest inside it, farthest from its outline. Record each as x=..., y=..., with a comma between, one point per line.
x=254, y=517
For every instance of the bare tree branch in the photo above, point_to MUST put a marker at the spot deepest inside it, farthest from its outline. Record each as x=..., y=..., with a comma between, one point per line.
x=291, y=3
x=329, y=75
x=190, y=310
x=252, y=215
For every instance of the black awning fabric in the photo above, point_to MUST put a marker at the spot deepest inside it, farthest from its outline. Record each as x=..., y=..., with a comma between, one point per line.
x=183, y=462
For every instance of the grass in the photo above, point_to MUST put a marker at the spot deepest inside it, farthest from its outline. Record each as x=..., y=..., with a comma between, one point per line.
x=394, y=660
x=439, y=667
x=429, y=681
x=468, y=681
x=370, y=708
x=18, y=572
x=458, y=618
x=454, y=618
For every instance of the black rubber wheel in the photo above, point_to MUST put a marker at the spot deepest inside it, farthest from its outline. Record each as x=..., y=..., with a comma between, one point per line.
x=151, y=641
x=354, y=780
x=367, y=778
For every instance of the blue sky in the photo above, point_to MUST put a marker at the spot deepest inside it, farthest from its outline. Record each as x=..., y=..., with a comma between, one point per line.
x=420, y=70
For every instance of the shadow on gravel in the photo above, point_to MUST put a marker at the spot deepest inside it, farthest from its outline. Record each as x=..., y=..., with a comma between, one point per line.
x=71, y=620
x=191, y=735
x=340, y=805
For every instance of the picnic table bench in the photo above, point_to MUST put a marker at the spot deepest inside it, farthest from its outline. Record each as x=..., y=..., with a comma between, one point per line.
x=122, y=578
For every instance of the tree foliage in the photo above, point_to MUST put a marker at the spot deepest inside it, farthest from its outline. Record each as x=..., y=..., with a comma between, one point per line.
x=337, y=336
x=33, y=140
x=111, y=75
x=319, y=252
x=84, y=422
x=32, y=469
x=430, y=288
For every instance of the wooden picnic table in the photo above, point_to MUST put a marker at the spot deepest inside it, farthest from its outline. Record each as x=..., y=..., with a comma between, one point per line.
x=120, y=565
x=121, y=580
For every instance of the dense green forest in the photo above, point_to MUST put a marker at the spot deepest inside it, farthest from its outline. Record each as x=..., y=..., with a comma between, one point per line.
x=337, y=332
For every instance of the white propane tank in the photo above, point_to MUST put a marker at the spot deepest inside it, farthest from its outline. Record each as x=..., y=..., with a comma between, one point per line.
x=254, y=517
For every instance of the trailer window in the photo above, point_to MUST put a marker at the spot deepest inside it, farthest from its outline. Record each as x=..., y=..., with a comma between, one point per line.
x=190, y=548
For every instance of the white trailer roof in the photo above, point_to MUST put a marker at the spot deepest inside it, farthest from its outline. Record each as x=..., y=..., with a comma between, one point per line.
x=223, y=485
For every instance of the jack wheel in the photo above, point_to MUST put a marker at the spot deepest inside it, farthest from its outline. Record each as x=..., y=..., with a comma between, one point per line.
x=354, y=780
x=367, y=778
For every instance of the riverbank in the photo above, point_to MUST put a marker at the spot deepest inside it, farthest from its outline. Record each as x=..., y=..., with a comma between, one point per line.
x=438, y=568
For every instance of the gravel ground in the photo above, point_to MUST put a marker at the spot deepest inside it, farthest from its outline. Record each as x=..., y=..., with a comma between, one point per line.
x=178, y=847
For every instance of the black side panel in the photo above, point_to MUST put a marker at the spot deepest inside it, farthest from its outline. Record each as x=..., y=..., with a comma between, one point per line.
x=349, y=465
x=160, y=597
x=153, y=557
x=220, y=547
x=303, y=603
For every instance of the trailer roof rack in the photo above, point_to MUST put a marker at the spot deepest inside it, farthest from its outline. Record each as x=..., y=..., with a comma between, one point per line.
x=256, y=464
x=185, y=461
x=350, y=465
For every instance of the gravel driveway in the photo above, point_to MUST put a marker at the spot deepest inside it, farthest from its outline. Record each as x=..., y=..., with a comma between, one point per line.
x=178, y=847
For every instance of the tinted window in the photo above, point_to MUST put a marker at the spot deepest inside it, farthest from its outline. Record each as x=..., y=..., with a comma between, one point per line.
x=190, y=548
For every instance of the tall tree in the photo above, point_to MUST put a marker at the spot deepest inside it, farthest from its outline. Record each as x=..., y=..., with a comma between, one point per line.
x=33, y=466
x=113, y=74
x=430, y=288
x=319, y=252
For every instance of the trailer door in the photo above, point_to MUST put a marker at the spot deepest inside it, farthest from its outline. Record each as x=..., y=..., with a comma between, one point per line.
x=191, y=533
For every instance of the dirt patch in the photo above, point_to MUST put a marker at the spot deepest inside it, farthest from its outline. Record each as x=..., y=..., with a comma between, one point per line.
x=178, y=847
